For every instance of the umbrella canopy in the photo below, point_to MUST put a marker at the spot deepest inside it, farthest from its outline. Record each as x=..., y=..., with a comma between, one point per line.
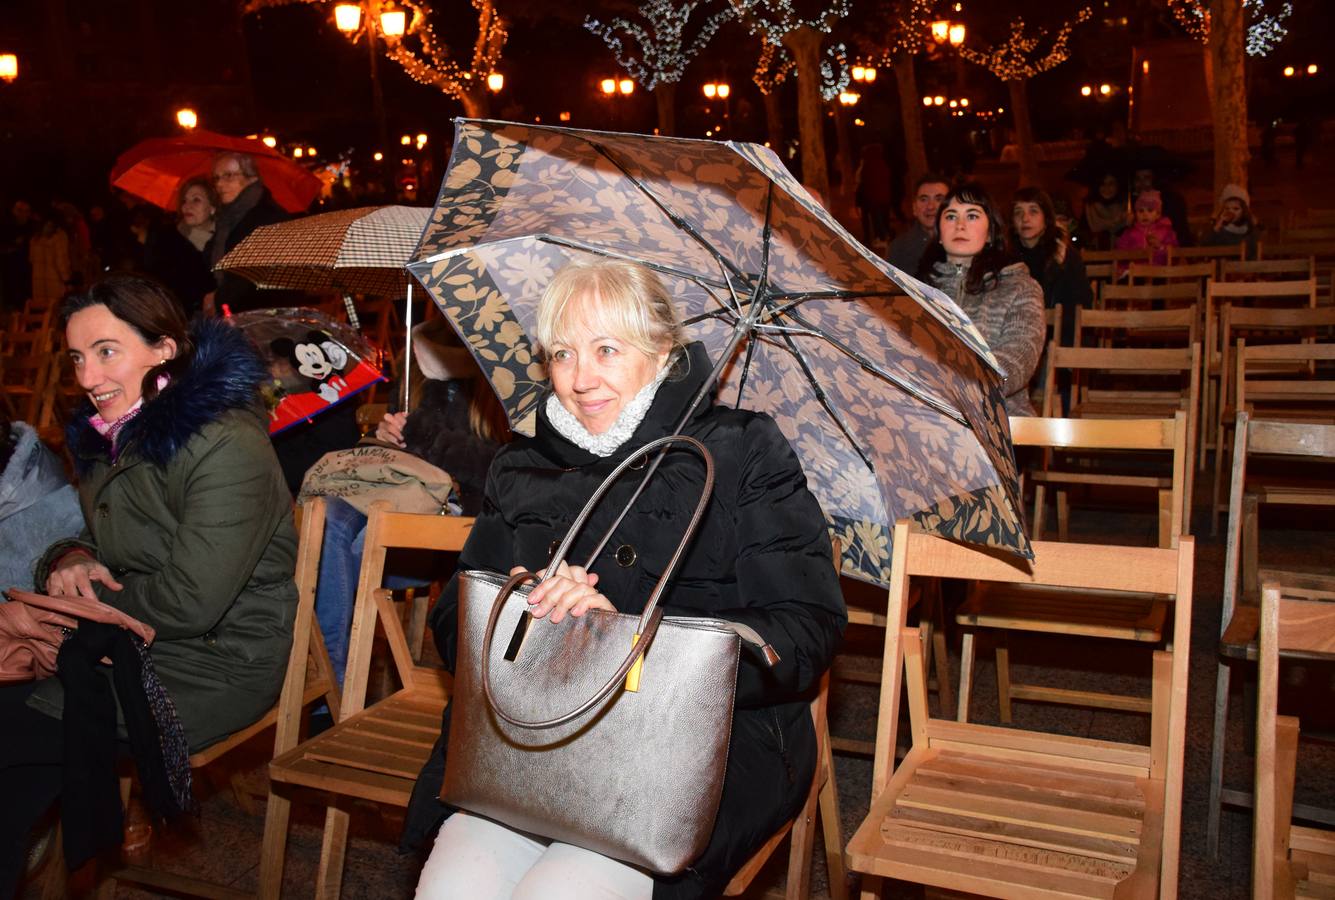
x=355, y=251
x=883, y=386
x=155, y=169
x=316, y=363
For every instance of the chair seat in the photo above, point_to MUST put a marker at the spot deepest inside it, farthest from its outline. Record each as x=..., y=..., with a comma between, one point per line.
x=1012, y=827
x=1312, y=862
x=375, y=754
x=1130, y=617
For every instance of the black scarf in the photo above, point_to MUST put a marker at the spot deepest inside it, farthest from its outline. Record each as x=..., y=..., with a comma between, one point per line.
x=230, y=215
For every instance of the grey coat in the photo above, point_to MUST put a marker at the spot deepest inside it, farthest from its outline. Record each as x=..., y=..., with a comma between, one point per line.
x=1008, y=313
x=37, y=507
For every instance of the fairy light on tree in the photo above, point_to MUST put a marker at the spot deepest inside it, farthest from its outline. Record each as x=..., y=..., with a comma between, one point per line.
x=661, y=48
x=431, y=61
x=1026, y=52
x=772, y=70
x=778, y=22
x=902, y=28
x=1265, y=23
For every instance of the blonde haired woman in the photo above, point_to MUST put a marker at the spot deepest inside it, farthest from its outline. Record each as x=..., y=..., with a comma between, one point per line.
x=621, y=376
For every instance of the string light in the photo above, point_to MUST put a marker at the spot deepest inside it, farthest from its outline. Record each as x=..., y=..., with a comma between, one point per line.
x=1018, y=58
x=432, y=64
x=664, y=49
x=1265, y=29
x=772, y=20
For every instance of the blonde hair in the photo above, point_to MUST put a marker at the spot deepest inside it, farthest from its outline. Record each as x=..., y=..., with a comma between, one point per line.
x=627, y=298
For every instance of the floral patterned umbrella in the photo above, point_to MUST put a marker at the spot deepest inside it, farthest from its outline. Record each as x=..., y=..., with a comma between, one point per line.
x=885, y=389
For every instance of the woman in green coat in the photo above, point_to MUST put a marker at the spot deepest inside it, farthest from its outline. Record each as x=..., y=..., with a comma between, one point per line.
x=188, y=529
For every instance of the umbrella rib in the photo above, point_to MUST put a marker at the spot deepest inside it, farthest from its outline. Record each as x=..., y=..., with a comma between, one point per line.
x=866, y=363
x=823, y=399
x=746, y=370
x=676, y=218
x=701, y=280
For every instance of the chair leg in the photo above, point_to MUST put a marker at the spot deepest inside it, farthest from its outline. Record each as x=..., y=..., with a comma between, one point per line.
x=830, y=827
x=1249, y=584
x=944, y=693
x=1040, y=510
x=1217, y=761
x=333, y=850
x=1063, y=514
x=871, y=887
x=273, y=850
x=801, y=841
x=1221, y=456
x=1003, y=678
x=966, y=675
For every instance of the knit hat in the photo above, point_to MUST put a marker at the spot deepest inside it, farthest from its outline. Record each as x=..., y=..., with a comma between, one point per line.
x=1235, y=192
x=1149, y=199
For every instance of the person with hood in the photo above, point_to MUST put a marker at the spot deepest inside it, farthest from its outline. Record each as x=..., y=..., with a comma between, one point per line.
x=37, y=505
x=188, y=528
x=970, y=264
x=245, y=206
x=1151, y=229
x=620, y=378
x=1233, y=224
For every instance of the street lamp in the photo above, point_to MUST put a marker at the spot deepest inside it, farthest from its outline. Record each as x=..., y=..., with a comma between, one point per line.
x=1086, y=91
x=1105, y=89
x=926, y=101
x=956, y=34
x=393, y=23
x=849, y=98
x=1311, y=69
x=608, y=86
x=941, y=30
x=626, y=86
x=269, y=141
x=1288, y=71
x=495, y=81
x=348, y=18
x=187, y=118
x=9, y=67
x=864, y=74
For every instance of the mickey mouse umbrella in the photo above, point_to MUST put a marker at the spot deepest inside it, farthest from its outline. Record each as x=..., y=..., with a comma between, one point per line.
x=882, y=385
x=316, y=363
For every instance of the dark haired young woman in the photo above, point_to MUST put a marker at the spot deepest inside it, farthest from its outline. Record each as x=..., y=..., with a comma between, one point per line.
x=1053, y=261
x=969, y=262
x=188, y=528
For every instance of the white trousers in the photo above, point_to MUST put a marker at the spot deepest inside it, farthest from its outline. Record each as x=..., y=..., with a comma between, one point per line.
x=478, y=859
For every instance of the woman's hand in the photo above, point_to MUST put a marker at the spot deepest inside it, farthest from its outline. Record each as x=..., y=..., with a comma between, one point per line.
x=75, y=574
x=390, y=429
x=569, y=590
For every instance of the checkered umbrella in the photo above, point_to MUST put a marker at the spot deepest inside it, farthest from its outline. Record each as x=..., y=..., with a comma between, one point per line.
x=352, y=251
x=887, y=392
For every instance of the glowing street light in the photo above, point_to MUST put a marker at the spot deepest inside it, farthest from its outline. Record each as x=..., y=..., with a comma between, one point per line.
x=956, y=34
x=941, y=30
x=849, y=98
x=393, y=23
x=495, y=81
x=187, y=118
x=608, y=86
x=1105, y=89
x=1311, y=69
x=964, y=101
x=9, y=67
x=1288, y=71
x=711, y=90
x=377, y=156
x=269, y=141
x=926, y=101
x=626, y=86
x=421, y=140
x=938, y=100
x=406, y=140
x=310, y=151
x=348, y=17
x=298, y=152
x=1086, y=91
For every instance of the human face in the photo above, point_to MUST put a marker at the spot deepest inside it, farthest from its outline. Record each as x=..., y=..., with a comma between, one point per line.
x=1108, y=187
x=1029, y=222
x=229, y=181
x=1146, y=216
x=111, y=359
x=1232, y=210
x=195, y=207
x=595, y=374
x=964, y=228
x=1143, y=180
x=929, y=199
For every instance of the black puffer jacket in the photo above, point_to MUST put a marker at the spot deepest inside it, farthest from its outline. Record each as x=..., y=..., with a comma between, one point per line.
x=761, y=557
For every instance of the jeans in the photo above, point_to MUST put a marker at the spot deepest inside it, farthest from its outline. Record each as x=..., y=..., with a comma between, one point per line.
x=340, y=564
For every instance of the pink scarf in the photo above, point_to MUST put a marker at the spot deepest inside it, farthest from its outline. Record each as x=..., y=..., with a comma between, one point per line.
x=112, y=430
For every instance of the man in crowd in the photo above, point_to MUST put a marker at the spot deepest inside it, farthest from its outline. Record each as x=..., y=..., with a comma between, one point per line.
x=907, y=249
x=246, y=205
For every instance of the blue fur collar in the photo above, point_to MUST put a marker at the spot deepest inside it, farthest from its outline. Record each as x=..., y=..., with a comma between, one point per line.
x=225, y=375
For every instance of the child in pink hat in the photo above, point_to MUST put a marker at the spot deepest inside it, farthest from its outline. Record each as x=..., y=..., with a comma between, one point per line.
x=1151, y=229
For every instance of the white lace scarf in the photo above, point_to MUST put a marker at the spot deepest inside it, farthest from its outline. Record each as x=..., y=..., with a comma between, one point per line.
x=630, y=417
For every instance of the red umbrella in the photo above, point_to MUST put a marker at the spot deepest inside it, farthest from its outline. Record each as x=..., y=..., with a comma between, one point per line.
x=154, y=169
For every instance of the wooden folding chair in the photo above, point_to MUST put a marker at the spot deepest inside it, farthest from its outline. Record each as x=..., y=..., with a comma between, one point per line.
x=23, y=385
x=822, y=799
x=309, y=678
x=1322, y=253
x=1003, y=608
x=1116, y=257
x=1287, y=860
x=1290, y=294
x=1126, y=328
x=1178, y=255
x=1117, y=383
x=1147, y=273
x=1151, y=296
x=1287, y=382
x=1239, y=621
x=374, y=752
x=1006, y=812
x=1299, y=269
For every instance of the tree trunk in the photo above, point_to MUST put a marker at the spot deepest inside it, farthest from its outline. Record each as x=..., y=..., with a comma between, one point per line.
x=665, y=96
x=910, y=115
x=475, y=101
x=804, y=44
x=1024, y=133
x=844, y=160
x=774, y=122
x=1228, y=63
